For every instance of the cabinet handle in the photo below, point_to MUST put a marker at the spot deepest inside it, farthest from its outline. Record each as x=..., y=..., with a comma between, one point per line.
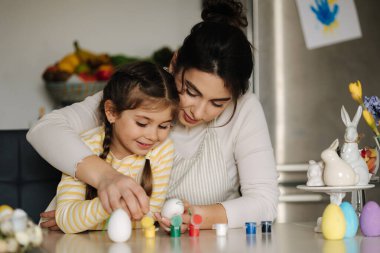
x=301, y=198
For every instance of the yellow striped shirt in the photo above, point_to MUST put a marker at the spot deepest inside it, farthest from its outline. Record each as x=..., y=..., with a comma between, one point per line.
x=75, y=214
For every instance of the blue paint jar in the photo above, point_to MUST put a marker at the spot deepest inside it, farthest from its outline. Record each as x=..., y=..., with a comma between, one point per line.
x=250, y=228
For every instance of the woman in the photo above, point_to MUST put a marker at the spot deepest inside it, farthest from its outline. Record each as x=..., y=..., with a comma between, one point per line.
x=224, y=165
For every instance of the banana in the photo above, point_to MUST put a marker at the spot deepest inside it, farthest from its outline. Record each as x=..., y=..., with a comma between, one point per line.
x=91, y=59
x=68, y=63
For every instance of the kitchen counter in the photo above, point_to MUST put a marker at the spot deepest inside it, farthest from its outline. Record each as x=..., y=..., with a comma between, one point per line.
x=285, y=238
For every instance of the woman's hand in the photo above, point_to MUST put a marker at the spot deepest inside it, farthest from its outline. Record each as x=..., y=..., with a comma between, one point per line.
x=49, y=220
x=186, y=217
x=115, y=190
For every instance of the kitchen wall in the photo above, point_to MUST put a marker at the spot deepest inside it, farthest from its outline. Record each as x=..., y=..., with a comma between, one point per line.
x=35, y=34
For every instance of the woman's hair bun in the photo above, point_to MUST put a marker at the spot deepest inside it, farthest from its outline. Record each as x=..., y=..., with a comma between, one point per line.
x=224, y=11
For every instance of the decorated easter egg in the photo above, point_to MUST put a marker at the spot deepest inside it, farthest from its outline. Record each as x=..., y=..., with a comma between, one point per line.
x=333, y=223
x=370, y=219
x=119, y=226
x=19, y=220
x=172, y=207
x=5, y=212
x=352, y=221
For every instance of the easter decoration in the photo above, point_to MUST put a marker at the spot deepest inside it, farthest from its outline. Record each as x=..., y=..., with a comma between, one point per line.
x=333, y=223
x=371, y=115
x=17, y=232
x=350, y=150
x=337, y=172
x=349, y=170
x=351, y=218
x=119, y=226
x=370, y=219
x=315, y=173
x=339, y=221
x=172, y=207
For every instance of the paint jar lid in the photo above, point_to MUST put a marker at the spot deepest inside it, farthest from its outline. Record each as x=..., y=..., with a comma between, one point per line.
x=147, y=222
x=196, y=219
x=176, y=221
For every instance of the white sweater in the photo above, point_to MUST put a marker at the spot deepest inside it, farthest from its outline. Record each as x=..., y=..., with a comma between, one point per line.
x=245, y=142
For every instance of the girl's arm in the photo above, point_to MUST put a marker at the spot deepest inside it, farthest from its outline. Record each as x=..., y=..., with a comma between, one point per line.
x=75, y=214
x=56, y=137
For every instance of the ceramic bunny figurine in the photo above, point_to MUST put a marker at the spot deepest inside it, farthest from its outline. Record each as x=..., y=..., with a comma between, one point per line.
x=350, y=151
x=315, y=173
x=337, y=172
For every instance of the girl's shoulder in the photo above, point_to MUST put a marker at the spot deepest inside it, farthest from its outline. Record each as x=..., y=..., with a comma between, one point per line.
x=94, y=138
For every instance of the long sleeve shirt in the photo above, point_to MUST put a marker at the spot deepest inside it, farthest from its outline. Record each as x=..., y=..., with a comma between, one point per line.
x=75, y=214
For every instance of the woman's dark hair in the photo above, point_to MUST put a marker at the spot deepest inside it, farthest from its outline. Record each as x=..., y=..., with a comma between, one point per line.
x=219, y=46
x=140, y=84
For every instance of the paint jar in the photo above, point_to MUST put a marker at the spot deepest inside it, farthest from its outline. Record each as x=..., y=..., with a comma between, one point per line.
x=250, y=228
x=266, y=227
x=221, y=229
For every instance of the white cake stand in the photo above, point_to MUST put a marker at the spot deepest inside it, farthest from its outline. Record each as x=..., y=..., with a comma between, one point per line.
x=337, y=193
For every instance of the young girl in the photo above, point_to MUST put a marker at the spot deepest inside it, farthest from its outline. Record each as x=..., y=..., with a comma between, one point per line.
x=137, y=110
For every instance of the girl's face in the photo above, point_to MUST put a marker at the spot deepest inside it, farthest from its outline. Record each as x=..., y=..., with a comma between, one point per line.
x=203, y=97
x=138, y=131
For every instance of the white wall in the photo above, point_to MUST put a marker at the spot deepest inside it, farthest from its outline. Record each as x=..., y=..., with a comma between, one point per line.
x=35, y=34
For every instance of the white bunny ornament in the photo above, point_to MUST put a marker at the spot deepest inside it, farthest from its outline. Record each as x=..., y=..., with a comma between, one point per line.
x=350, y=150
x=315, y=173
x=337, y=172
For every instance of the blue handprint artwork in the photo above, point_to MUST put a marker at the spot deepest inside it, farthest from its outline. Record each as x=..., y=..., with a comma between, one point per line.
x=326, y=22
x=324, y=14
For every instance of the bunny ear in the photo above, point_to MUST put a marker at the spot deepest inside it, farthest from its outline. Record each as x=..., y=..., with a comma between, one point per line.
x=335, y=144
x=346, y=119
x=357, y=116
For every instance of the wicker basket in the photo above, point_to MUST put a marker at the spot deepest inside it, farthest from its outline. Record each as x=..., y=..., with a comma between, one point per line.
x=68, y=93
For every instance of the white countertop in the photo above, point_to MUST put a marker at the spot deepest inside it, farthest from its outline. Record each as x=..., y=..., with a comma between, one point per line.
x=285, y=238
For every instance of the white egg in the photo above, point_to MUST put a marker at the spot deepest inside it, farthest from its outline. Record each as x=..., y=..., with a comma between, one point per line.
x=119, y=226
x=171, y=208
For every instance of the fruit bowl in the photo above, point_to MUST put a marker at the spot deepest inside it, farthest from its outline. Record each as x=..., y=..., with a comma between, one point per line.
x=67, y=93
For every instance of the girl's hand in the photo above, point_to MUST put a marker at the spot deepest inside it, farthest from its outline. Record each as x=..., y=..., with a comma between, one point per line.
x=120, y=191
x=186, y=216
x=164, y=222
x=49, y=221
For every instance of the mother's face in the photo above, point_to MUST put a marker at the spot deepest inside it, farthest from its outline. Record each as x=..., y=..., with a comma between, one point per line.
x=203, y=97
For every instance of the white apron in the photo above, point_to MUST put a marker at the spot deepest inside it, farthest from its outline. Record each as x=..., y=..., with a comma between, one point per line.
x=202, y=179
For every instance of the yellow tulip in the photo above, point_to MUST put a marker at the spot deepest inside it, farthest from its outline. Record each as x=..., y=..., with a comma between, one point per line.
x=356, y=91
x=370, y=121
